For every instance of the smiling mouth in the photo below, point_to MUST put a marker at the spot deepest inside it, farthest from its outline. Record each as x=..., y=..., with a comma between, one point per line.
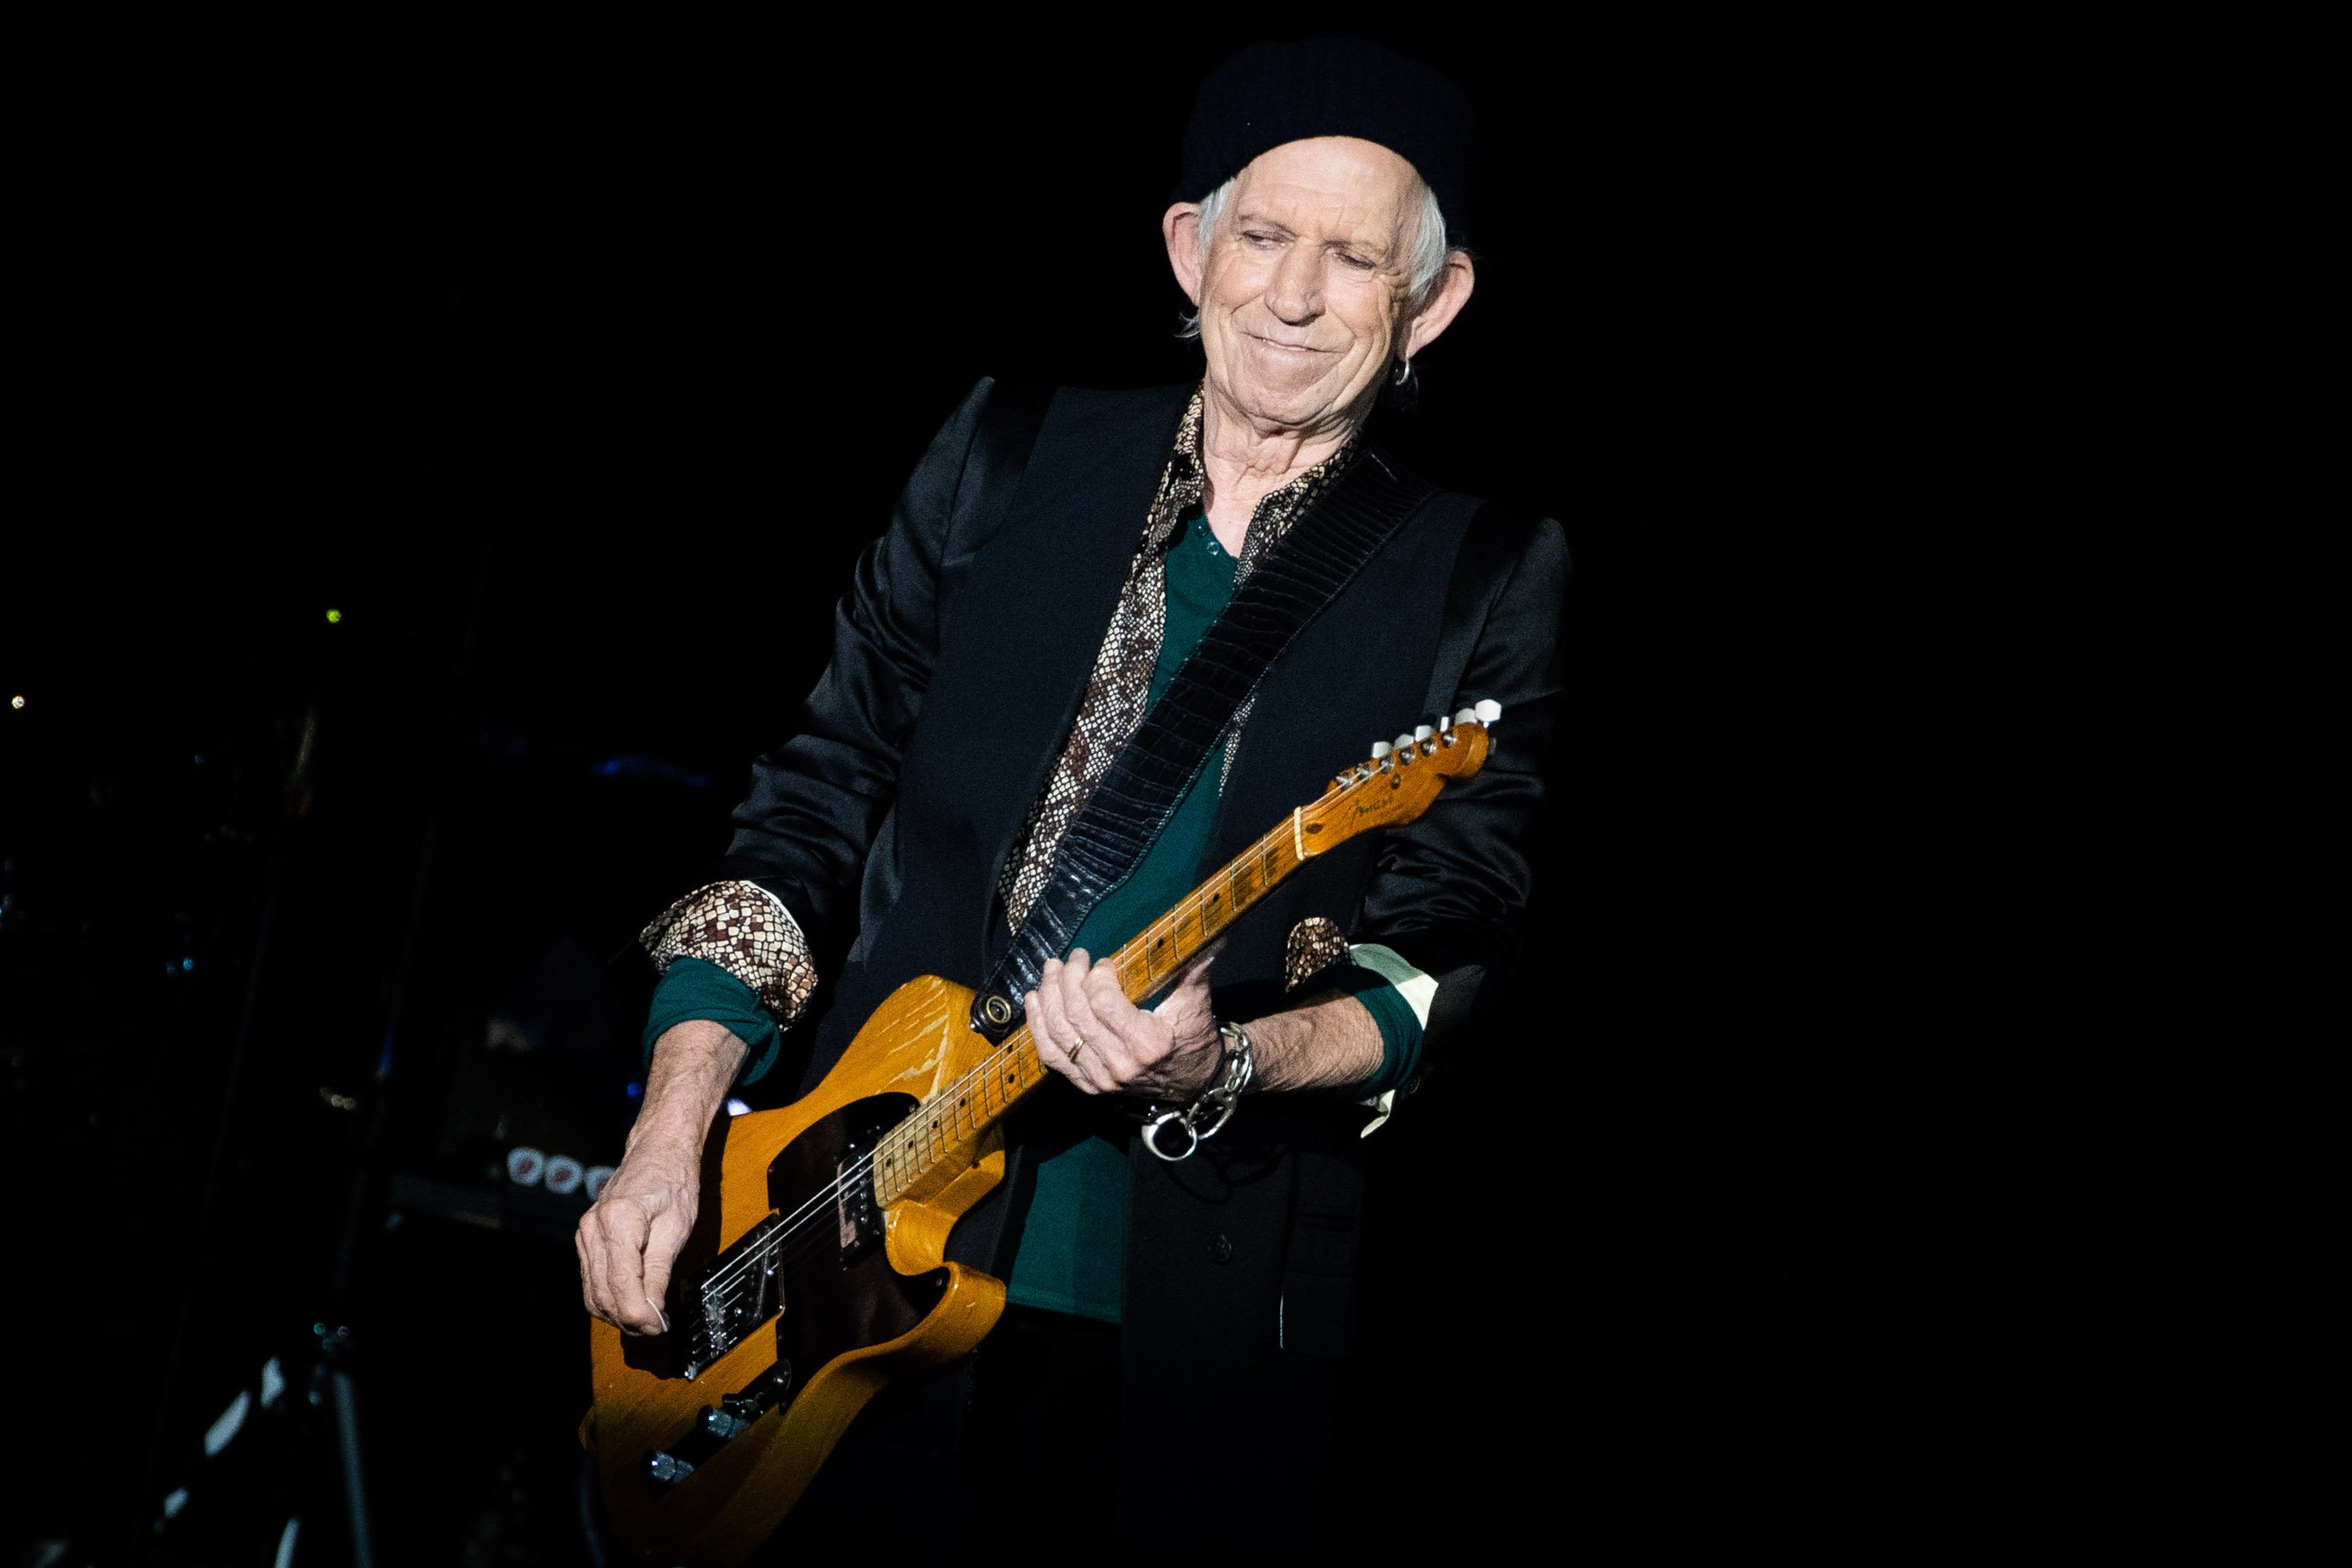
x=1288, y=348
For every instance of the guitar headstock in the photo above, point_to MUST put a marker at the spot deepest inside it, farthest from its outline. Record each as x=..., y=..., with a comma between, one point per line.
x=1400, y=777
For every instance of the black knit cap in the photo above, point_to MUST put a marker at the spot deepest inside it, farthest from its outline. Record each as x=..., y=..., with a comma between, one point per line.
x=1272, y=93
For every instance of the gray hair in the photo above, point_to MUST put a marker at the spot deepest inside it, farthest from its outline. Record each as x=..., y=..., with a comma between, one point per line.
x=1429, y=247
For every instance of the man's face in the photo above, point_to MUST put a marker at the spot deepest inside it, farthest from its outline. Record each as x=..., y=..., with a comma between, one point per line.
x=1306, y=284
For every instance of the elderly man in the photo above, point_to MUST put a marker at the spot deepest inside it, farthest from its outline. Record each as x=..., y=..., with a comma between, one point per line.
x=1004, y=649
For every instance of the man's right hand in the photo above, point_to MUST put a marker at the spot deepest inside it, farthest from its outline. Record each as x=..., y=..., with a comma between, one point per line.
x=629, y=1238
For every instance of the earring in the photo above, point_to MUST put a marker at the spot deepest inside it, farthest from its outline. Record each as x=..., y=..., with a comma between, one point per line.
x=1402, y=373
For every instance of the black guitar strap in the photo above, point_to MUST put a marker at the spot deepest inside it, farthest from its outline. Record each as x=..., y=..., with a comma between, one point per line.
x=1299, y=575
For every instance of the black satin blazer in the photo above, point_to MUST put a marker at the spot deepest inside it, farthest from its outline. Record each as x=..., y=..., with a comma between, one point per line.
x=959, y=655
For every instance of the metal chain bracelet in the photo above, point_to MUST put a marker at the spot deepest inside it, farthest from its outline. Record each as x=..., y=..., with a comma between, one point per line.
x=1215, y=1103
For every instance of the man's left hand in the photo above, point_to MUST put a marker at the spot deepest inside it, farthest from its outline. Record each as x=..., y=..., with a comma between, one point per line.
x=1088, y=1032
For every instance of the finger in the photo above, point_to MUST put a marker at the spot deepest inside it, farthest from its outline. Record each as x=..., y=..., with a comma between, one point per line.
x=1080, y=1030
x=626, y=1225
x=1052, y=1032
x=579, y=1245
x=592, y=1250
x=1201, y=962
x=1187, y=1003
x=1069, y=984
x=1102, y=1054
x=662, y=1241
x=1131, y=1038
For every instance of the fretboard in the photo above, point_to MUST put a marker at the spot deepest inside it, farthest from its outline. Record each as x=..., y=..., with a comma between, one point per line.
x=941, y=1134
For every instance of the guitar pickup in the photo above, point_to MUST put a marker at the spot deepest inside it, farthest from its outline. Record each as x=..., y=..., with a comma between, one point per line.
x=857, y=1216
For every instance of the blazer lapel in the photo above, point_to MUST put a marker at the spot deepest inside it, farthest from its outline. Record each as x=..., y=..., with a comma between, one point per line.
x=1035, y=609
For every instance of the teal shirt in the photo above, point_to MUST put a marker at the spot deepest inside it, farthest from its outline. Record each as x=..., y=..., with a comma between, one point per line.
x=1070, y=1250
x=1069, y=1219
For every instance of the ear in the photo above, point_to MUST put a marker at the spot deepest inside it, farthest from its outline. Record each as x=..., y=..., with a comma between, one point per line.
x=1448, y=295
x=1180, y=227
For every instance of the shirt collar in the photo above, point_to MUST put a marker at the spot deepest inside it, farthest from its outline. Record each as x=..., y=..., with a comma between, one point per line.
x=1184, y=482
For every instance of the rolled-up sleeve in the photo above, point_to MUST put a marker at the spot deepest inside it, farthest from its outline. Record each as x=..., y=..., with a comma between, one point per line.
x=787, y=884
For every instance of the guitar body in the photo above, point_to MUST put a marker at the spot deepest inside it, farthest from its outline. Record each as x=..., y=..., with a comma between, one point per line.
x=817, y=1271
x=864, y=1298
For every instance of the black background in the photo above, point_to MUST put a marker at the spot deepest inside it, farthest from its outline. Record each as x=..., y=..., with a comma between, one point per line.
x=1891, y=1142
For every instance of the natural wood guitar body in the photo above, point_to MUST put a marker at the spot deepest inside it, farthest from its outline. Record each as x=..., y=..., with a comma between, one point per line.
x=817, y=1271
x=852, y=1331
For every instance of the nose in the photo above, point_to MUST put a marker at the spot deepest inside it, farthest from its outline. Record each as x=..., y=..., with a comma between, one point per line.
x=1294, y=294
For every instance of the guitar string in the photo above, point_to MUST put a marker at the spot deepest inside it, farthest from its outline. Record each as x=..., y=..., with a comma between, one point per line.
x=1263, y=856
x=901, y=1140
x=903, y=1136
x=1265, y=853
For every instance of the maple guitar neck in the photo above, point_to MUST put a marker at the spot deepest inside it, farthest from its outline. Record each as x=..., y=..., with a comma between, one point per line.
x=1393, y=786
x=841, y=1206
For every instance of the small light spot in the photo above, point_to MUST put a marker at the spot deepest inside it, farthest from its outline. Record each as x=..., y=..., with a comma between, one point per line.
x=736, y=1107
x=17, y=702
x=334, y=618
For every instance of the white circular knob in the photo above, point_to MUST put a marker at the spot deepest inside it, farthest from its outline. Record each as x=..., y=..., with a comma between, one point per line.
x=1488, y=710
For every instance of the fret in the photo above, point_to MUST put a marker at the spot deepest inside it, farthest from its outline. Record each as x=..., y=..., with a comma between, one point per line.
x=950, y=1125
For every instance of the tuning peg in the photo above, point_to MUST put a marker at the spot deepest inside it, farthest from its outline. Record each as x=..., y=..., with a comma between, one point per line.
x=1422, y=732
x=1488, y=710
x=1468, y=716
x=1445, y=721
x=1404, y=742
x=1380, y=749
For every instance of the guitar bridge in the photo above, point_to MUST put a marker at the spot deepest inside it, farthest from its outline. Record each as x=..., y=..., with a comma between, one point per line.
x=742, y=1289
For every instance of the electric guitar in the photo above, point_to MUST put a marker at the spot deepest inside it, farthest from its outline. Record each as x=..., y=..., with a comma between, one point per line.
x=817, y=1271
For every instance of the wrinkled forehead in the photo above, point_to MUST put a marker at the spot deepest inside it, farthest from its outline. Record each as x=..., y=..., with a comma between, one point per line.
x=1341, y=183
